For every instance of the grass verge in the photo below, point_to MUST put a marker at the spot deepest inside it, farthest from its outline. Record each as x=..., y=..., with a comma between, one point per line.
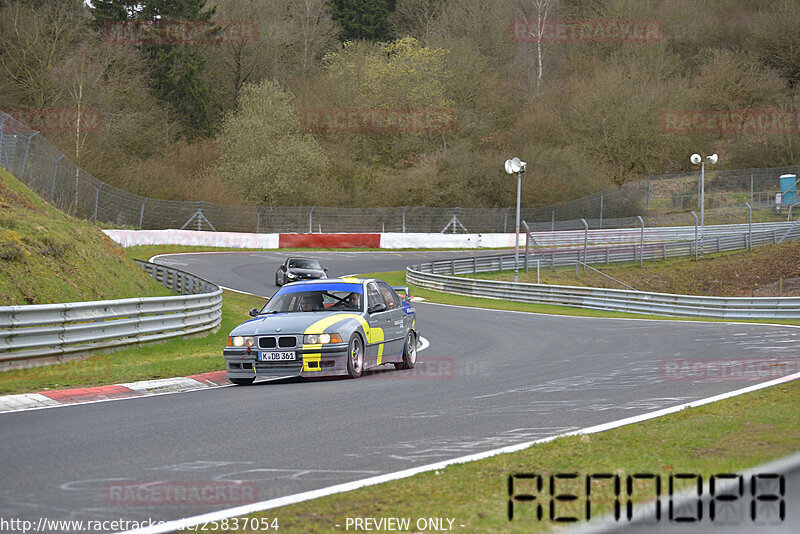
x=176, y=357
x=398, y=278
x=47, y=256
x=727, y=436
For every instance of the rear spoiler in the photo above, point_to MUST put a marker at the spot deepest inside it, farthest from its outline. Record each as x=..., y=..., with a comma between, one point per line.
x=404, y=290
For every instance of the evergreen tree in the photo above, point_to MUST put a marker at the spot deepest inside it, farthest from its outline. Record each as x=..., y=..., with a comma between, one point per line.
x=363, y=19
x=176, y=70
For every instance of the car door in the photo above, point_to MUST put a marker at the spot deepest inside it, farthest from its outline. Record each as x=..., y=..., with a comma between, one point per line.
x=279, y=276
x=379, y=323
x=395, y=331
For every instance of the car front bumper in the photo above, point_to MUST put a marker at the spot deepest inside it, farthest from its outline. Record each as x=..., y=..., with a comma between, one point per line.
x=311, y=360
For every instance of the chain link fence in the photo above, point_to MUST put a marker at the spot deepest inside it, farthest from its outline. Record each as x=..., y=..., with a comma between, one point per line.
x=662, y=200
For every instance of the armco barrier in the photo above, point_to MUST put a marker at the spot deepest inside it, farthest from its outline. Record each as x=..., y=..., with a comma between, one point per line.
x=53, y=330
x=129, y=238
x=441, y=276
x=330, y=240
x=613, y=299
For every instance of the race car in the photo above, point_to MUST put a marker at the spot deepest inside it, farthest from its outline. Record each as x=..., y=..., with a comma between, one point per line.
x=294, y=269
x=311, y=328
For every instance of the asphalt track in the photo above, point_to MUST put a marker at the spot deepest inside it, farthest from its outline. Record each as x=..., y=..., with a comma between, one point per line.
x=488, y=379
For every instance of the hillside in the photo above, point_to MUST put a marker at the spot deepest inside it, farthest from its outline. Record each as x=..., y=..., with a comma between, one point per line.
x=47, y=256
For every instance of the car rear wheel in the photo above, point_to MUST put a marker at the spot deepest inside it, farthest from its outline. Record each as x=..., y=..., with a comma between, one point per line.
x=242, y=381
x=355, y=357
x=409, y=352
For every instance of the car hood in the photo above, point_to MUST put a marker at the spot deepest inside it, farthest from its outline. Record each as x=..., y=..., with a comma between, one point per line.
x=289, y=323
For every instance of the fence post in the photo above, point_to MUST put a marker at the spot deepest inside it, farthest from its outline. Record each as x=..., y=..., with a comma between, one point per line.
x=25, y=159
x=585, y=240
x=141, y=213
x=601, y=209
x=649, y=180
x=310, y=227
x=641, y=243
x=404, y=218
x=53, y=185
x=96, y=199
x=751, y=185
x=695, y=235
x=553, y=221
x=750, y=219
x=258, y=218
x=505, y=220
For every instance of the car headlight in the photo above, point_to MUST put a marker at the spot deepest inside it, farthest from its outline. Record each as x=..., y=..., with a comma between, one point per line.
x=291, y=275
x=321, y=339
x=241, y=341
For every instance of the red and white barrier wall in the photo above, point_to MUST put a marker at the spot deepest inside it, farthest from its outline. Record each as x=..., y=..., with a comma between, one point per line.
x=130, y=238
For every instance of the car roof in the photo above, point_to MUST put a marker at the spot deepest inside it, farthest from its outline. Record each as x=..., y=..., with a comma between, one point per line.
x=301, y=258
x=346, y=280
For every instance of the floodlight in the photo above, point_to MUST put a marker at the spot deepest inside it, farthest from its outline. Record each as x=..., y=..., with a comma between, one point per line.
x=696, y=159
x=713, y=158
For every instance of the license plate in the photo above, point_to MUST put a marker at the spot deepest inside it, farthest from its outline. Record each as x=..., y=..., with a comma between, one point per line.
x=275, y=356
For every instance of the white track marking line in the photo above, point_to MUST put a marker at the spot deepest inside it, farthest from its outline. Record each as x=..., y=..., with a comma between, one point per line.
x=179, y=524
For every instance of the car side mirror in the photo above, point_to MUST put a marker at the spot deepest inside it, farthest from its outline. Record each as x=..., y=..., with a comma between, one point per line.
x=254, y=312
x=375, y=308
x=325, y=269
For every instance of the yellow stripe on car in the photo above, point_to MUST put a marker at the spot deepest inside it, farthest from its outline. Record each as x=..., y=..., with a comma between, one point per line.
x=374, y=335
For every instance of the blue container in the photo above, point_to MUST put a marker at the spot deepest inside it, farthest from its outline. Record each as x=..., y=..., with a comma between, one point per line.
x=789, y=189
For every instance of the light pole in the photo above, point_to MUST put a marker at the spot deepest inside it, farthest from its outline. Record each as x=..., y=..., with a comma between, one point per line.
x=698, y=159
x=516, y=166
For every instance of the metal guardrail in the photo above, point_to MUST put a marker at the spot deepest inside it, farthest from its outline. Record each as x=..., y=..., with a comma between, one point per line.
x=441, y=276
x=53, y=330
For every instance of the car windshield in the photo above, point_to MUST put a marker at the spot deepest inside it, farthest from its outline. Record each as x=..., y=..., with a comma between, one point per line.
x=304, y=264
x=314, y=300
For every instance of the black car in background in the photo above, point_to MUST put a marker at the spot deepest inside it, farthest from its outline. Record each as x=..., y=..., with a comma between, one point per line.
x=294, y=269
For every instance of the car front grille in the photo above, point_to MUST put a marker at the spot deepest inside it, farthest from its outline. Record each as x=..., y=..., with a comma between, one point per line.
x=271, y=342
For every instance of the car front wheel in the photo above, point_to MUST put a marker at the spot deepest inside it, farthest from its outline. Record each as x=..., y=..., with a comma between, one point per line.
x=409, y=352
x=355, y=357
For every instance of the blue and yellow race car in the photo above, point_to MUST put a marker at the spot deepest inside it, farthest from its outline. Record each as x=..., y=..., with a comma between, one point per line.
x=339, y=326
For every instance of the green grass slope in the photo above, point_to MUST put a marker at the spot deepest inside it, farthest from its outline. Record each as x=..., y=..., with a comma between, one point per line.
x=47, y=256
